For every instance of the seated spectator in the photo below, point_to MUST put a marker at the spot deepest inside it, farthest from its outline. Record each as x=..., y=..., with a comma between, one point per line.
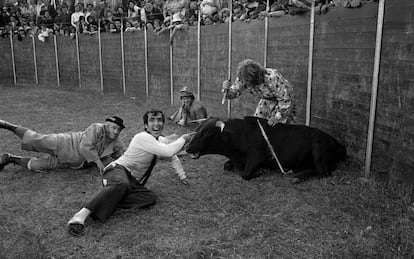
x=75, y=16
x=62, y=18
x=278, y=8
x=109, y=16
x=91, y=20
x=112, y=28
x=43, y=32
x=191, y=15
x=118, y=25
x=136, y=23
x=174, y=11
x=119, y=13
x=191, y=111
x=252, y=8
x=81, y=25
x=48, y=19
x=89, y=11
x=152, y=13
x=224, y=15
x=21, y=34
x=91, y=29
x=157, y=26
x=208, y=8
x=238, y=10
x=14, y=23
x=133, y=10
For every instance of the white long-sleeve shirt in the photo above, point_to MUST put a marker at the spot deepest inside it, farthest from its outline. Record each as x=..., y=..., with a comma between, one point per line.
x=138, y=156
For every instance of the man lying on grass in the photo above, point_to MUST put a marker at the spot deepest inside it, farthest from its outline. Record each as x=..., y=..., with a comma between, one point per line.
x=124, y=179
x=98, y=144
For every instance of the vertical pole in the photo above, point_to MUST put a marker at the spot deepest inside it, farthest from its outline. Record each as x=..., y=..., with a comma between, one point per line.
x=123, y=57
x=374, y=93
x=310, y=65
x=12, y=56
x=34, y=60
x=266, y=35
x=57, y=61
x=146, y=61
x=100, y=55
x=78, y=58
x=171, y=70
x=198, y=56
x=229, y=57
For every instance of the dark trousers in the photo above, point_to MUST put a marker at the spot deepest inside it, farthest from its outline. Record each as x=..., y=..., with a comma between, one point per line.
x=121, y=190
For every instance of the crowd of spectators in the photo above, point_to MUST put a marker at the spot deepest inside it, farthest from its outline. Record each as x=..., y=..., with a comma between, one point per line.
x=67, y=17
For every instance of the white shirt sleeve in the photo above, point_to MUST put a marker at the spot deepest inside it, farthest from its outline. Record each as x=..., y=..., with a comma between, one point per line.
x=175, y=161
x=149, y=144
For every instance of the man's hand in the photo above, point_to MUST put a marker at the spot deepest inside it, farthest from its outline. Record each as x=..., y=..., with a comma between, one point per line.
x=225, y=86
x=100, y=166
x=275, y=120
x=272, y=121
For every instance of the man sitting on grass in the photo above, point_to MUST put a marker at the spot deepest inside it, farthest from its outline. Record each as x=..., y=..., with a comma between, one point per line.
x=124, y=179
x=99, y=144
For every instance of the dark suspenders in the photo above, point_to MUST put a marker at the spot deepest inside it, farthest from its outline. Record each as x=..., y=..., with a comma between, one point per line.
x=147, y=173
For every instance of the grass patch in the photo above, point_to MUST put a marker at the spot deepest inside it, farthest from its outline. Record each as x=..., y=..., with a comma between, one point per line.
x=218, y=216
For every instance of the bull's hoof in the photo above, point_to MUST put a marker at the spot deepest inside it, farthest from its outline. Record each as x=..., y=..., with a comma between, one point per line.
x=229, y=166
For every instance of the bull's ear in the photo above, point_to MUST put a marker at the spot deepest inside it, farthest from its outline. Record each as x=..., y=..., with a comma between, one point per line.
x=220, y=125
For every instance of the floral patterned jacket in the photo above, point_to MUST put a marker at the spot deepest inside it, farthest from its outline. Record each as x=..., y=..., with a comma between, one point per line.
x=276, y=95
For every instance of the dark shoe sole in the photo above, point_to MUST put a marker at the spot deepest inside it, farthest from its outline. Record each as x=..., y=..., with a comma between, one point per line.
x=76, y=229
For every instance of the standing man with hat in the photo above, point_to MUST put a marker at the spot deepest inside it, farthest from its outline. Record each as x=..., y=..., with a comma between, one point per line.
x=98, y=144
x=190, y=111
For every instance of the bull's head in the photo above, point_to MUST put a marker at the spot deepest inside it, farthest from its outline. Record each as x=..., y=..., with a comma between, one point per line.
x=208, y=139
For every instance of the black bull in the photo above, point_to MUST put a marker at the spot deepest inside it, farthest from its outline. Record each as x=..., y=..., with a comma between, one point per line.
x=305, y=150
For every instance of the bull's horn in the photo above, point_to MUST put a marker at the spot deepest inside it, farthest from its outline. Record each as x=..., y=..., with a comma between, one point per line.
x=220, y=125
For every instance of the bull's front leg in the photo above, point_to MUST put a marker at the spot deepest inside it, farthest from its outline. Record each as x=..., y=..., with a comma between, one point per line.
x=253, y=163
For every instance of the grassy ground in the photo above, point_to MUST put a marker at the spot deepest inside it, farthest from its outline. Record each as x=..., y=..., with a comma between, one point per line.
x=218, y=216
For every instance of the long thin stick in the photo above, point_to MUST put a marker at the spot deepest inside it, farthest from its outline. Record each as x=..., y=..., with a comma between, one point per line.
x=375, y=76
x=271, y=147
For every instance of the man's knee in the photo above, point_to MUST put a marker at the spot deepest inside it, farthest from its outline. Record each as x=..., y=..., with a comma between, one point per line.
x=42, y=164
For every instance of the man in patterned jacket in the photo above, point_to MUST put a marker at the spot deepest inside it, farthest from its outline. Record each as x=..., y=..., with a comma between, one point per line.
x=98, y=144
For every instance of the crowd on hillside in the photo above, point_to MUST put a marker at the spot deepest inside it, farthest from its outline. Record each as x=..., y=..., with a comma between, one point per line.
x=67, y=17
